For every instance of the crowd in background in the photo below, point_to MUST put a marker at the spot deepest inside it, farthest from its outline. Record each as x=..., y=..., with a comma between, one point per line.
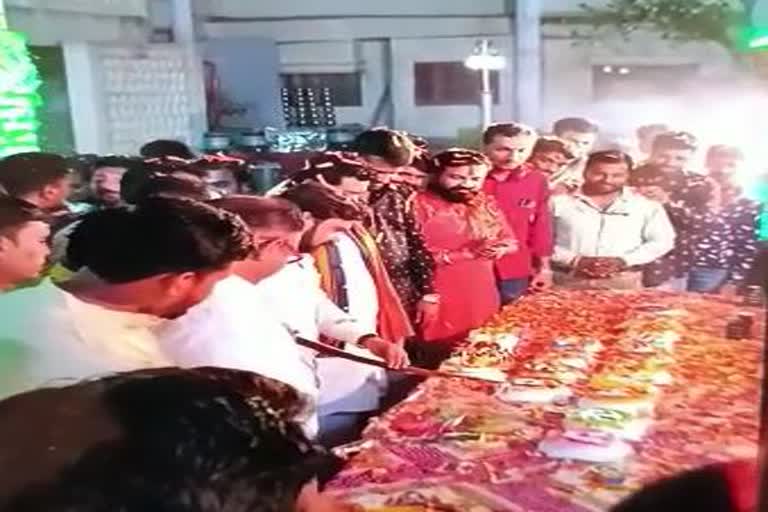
x=143, y=265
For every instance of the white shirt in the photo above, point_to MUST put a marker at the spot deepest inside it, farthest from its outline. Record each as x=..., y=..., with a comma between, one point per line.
x=50, y=337
x=294, y=294
x=236, y=328
x=361, y=289
x=633, y=228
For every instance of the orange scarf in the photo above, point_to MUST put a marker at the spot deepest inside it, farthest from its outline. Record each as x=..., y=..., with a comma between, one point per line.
x=392, y=320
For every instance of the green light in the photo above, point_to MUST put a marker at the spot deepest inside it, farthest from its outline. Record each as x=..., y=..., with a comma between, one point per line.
x=751, y=38
x=758, y=42
x=19, y=99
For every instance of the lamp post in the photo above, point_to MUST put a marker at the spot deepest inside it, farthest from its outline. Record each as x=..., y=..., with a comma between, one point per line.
x=485, y=59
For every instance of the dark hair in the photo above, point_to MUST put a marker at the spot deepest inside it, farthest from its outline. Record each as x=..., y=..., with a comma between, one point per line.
x=169, y=187
x=216, y=162
x=263, y=212
x=552, y=145
x=611, y=156
x=650, y=174
x=506, y=130
x=23, y=173
x=322, y=202
x=163, y=147
x=675, y=140
x=159, y=236
x=14, y=214
x=574, y=124
x=393, y=147
x=456, y=157
x=703, y=489
x=165, y=440
x=333, y=167
x=142, y=180
x=115, y=161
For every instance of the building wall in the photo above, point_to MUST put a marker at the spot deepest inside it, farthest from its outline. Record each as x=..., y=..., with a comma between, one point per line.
x=50, y=23
x=567, y=61
x=440, y=121
x=331, y=8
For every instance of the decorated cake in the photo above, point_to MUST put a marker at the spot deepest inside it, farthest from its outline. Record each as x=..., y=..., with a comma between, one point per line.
x=533, y=391
x=588, y=445
x=622, y=424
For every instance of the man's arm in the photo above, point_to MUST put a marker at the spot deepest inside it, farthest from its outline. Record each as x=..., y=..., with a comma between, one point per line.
x=541, y=230
x=658, y=238
x=562, y=256
x=334, y=322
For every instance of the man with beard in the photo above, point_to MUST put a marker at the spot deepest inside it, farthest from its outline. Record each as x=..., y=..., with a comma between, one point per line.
x=522, y=193
x=550, y=156
x=604, y=232
x=385, y=154
x=467, y=234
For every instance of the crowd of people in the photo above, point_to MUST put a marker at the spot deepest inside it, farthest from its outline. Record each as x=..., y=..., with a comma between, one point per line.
x=166, y=261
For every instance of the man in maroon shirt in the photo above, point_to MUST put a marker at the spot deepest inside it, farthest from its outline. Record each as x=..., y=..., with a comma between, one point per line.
x=522, y=192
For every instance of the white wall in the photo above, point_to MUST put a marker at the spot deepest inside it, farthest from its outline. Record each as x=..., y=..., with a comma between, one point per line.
x=49, y=28
x=568, y=64
x=127, y=95
x=345, y=29
x=291, y=8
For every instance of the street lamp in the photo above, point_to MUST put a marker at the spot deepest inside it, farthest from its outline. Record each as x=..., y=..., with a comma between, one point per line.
x=485, y=59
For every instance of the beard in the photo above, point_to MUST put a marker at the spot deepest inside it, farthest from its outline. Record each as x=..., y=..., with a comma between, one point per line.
x=597, y=189
x=455, y=194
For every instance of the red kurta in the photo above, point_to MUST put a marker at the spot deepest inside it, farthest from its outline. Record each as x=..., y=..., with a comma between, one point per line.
x=467, y=288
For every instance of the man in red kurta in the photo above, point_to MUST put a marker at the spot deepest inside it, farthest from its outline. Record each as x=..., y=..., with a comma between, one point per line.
x=522, y=192
x=466, y=233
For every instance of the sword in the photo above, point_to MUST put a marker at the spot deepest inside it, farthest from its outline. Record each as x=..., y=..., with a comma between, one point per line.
x=409, y=370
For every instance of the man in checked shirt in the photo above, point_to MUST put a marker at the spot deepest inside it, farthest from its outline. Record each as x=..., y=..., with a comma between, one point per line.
x=409, y=264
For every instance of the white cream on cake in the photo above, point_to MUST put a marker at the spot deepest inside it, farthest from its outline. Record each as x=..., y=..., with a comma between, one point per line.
x=494, y=374
x=552, y=371
x=532, y=391
x=624, y=425
x=586, y=445
x=638, y=406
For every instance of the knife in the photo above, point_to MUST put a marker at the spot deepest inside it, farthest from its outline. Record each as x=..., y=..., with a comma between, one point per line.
x=409, y=370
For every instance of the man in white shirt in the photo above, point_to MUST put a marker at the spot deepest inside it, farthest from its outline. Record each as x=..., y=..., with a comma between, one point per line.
x=250, y=319
x=604, y=232
x=144, y=267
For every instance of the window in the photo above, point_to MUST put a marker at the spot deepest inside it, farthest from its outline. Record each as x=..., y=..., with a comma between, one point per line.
x=346, y=90
x=449, y=83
